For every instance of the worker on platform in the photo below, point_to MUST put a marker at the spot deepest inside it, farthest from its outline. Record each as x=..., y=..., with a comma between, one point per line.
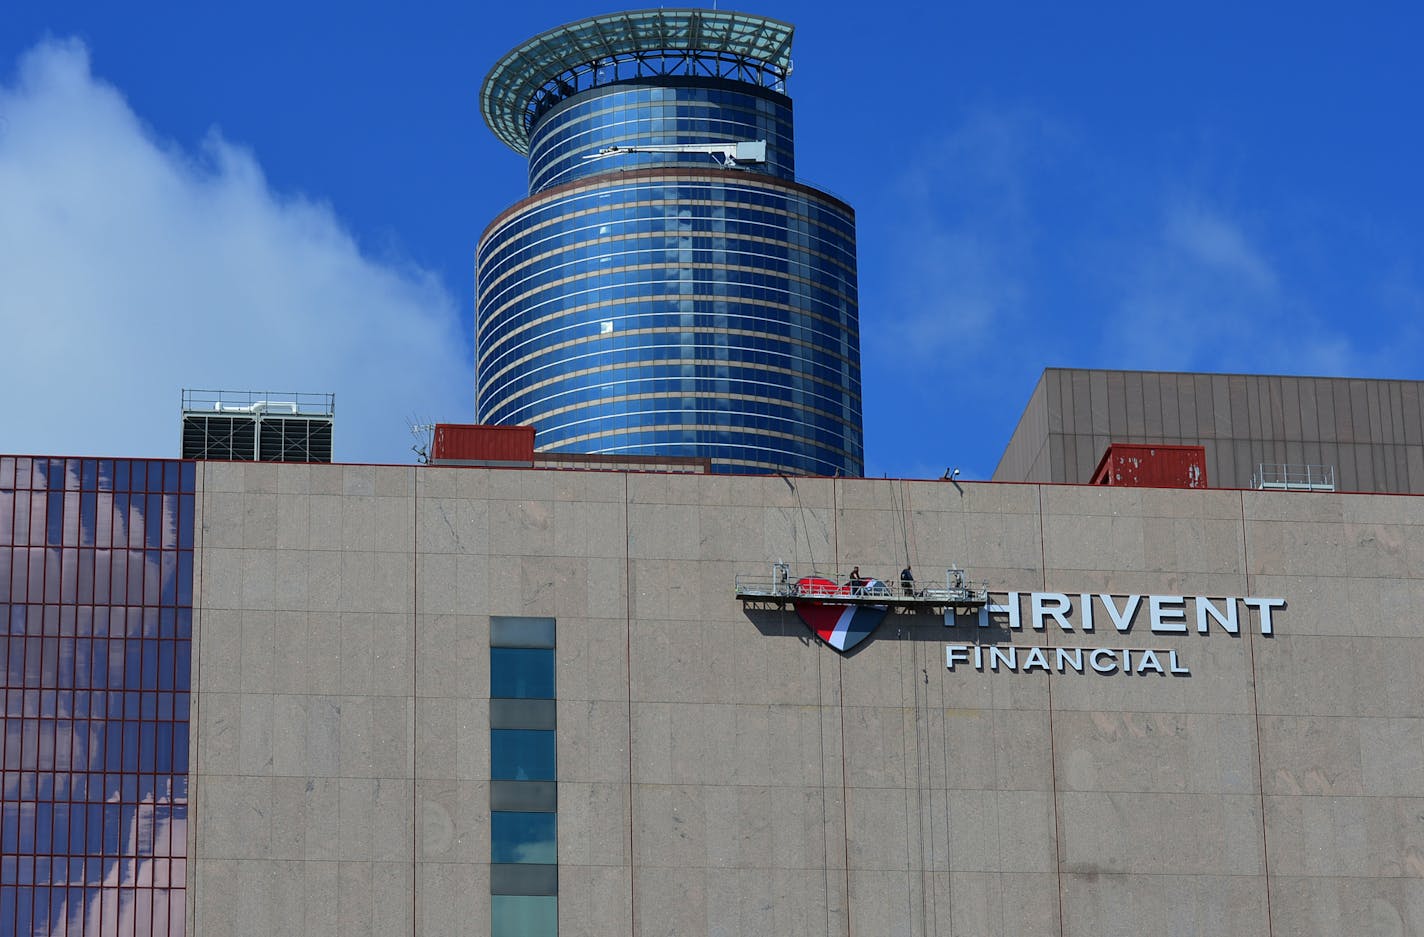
x=856, y=583
x=907, y=581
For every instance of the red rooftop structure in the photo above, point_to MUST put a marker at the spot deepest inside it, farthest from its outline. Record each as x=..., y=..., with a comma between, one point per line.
x=1136, y=465
x=464, y=444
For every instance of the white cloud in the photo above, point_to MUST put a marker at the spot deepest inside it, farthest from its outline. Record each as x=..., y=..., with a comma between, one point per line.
x=1210, y=240
x=955, y=236
x=1197, y=292
x=131, y=268
x=1205, y=287
x=962, y=239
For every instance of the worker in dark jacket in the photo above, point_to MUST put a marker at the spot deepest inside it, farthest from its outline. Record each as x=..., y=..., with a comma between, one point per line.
x=907, y=581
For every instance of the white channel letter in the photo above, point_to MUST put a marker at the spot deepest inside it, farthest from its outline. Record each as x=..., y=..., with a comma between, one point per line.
x=1166, y=619
x=1085, y=603
x=1096, y=659
x=1008, y=656
x=1121, y=620
x=1175, y=666
x=955, y=652
x=1069, y=657
x=1148, y=661
x=1010, y=608
x=1264, y=606
x=1035, y=658
x=1055, y=604
x=1226, y=619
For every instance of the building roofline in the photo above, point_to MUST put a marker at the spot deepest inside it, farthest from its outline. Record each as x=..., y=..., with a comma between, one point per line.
x=562, y=61
x=1253, y=375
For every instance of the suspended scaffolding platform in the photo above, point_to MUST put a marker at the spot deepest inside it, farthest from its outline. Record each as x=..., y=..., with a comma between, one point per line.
x=782, y=587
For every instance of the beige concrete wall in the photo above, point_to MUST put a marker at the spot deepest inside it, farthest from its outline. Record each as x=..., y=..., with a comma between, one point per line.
x=303, y=726
x=722, y=772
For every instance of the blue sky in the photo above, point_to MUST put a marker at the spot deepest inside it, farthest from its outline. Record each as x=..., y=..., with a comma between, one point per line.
x=288, y=197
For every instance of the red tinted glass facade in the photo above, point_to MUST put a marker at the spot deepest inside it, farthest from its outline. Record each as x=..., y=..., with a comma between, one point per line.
x=96, y=594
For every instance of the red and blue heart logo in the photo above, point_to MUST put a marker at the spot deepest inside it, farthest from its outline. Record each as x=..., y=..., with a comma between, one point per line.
x=840, y=625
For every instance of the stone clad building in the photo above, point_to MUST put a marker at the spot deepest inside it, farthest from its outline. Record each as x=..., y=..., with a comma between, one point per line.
x=355, y=699
x=721, y=771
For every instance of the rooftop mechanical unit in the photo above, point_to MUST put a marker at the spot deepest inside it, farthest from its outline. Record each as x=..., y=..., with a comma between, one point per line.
x=1152, y=465
x=251, y=426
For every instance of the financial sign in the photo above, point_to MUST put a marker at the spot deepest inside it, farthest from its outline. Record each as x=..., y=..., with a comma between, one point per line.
x=1090, y=613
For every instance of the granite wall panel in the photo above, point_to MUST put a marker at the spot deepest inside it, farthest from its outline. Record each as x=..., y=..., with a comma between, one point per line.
x=722, y=771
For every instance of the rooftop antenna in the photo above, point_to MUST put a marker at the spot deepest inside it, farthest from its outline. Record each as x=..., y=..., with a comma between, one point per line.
x=423, y=434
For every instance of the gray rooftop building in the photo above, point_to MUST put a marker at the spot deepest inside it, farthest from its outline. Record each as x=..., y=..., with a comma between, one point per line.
x=1349, y=434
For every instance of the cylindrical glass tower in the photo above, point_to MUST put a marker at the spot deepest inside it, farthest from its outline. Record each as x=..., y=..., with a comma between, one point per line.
x=659, y=300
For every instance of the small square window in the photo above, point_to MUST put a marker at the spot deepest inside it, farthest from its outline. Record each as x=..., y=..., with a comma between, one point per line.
x=521, y=673
x=523, y=837
x=524, y=916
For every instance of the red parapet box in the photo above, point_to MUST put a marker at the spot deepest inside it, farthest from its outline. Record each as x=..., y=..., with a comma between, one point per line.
x=1149, y=465
x=483, y=445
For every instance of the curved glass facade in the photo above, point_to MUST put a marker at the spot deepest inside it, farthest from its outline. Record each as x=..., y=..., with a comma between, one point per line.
x=676, y=314
x=643, y=113
x=661, y=304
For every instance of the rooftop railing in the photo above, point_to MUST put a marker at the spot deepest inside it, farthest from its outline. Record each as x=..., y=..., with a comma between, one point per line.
x=1281, y=476
x=258, y=402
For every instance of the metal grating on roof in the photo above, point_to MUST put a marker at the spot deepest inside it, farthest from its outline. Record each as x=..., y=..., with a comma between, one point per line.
x=250, y=426
x=599, y=50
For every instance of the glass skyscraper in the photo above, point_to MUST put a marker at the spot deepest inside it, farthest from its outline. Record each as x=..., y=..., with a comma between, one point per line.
x=652, y=296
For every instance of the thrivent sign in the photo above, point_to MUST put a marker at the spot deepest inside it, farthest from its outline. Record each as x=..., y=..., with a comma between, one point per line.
x=1090, y=613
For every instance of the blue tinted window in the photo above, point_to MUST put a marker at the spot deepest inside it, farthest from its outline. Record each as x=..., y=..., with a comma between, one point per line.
x=523, y=837
x=524, y=916
x=521, y=673
x=522, y=755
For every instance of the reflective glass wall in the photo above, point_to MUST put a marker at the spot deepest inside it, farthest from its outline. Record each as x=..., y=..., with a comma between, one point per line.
x=674, y=313
x=96, y=594
x=663, y=304
x=682, y=110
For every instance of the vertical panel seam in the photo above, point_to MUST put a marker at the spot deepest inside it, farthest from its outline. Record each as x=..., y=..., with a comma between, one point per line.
x=1052, y=743
x=628, y=663
x=840, y=694
x=845, y=791
x=1256, y=720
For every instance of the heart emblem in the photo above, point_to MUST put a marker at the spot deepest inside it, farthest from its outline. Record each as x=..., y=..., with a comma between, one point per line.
x=840, y=625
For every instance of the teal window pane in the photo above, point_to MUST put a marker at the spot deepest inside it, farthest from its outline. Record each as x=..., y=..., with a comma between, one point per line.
x=522, y=755
x=524, y=916
x=523, y=837
x=521, y=631
x=521, y=673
